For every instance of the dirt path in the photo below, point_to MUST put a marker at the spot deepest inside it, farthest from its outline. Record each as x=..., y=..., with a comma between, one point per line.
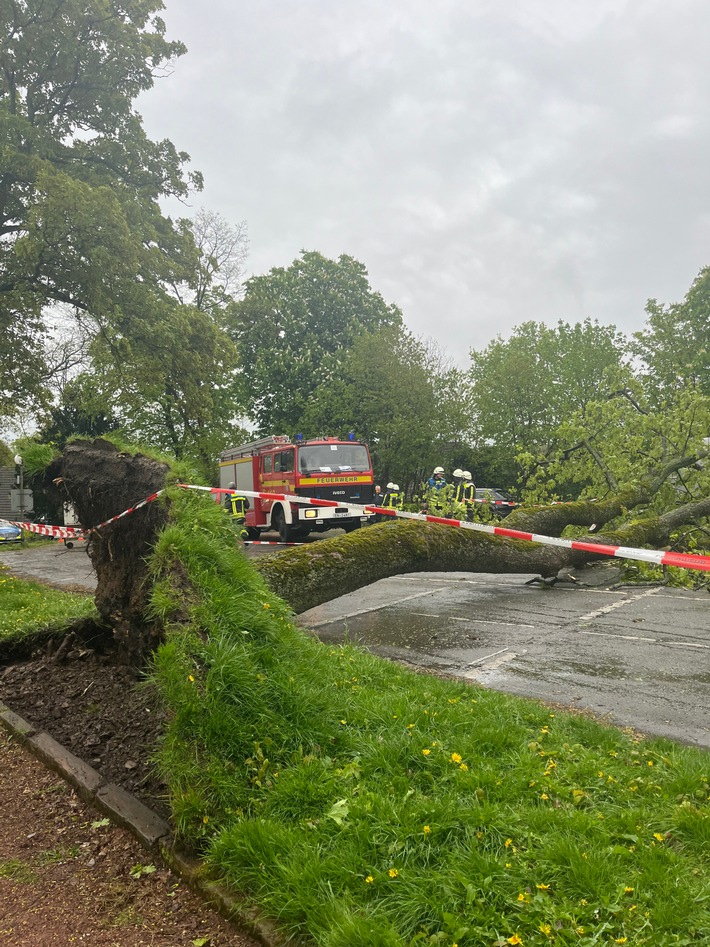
x=68, y=877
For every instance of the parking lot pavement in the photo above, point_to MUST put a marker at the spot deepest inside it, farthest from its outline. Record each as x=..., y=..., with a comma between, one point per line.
x=639, y=657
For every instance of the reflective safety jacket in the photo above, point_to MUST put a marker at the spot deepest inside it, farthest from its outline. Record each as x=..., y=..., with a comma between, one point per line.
x=393, y=501
x=238, y=506
x=468, y=491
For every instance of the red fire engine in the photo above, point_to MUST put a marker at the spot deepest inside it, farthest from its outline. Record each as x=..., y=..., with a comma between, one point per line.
x=327, y=468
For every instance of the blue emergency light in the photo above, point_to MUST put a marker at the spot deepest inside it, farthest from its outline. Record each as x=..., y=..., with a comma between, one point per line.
x=351, y=435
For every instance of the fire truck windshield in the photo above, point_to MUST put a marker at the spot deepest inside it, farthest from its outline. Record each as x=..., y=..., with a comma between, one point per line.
x=329, y=458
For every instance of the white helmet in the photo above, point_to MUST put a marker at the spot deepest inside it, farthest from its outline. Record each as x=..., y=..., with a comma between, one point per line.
x=232, y=485
x=395, y=487
x=458, y=472
x=438, y=470
x=467, y=475
x=392, y=486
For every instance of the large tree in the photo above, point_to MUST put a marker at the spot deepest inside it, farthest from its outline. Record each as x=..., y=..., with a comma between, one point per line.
x=80, y=182
x=675, y=342
x=523, y=387
x=293, y=329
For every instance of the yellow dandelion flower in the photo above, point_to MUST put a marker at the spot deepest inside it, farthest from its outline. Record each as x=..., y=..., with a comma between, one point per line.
x=508, y=842
x=205, y=819
x=621, y=940
x=266, y=605
x=544, y=796
x=514, y=939
x=524, y=897
x=410, y=726
x=456, y=757
x=628, y=890
x=545, y=929
x=426, y=752
x=369, y=880
x=658, y=837
x=190, y=678
x=649, y=762
x=427, y=829
x=393, y=872
x=508, y=865
x=542, y=887
x=464, y=768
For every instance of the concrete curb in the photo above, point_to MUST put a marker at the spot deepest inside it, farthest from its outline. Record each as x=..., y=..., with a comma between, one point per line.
x=152, y=832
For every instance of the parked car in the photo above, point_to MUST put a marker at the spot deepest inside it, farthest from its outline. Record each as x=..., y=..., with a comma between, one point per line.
x=9, y=533
x=500, y=502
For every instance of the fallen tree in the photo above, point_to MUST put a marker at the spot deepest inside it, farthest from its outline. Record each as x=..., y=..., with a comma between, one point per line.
x=102, y=481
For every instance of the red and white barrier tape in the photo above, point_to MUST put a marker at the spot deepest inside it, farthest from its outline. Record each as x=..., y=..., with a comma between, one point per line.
x=658, y=557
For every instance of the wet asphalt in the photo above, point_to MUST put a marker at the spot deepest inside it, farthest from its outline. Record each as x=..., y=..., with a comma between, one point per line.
x=635, y=656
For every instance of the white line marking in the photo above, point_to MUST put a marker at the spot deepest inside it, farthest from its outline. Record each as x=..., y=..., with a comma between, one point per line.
x=376, y=608
x=487, y=658
x=608, y=634
x=485, y=621
x=610, y=608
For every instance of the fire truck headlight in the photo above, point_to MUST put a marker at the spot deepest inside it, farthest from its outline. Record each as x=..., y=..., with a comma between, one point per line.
x=310, y=514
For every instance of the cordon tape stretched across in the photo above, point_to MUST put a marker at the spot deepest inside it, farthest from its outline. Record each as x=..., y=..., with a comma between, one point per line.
x=680, y=560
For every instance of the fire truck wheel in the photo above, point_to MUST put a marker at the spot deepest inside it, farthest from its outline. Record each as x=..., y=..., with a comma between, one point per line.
x=285, y=530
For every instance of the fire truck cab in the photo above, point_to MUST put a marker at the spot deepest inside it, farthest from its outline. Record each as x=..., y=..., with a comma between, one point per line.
x=326, y=468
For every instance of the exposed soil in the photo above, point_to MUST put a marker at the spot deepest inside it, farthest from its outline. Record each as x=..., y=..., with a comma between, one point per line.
x=94, y=708
x=69, y=877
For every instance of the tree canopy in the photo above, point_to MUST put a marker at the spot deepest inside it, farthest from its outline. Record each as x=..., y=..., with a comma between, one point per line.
x=292, y=330
x=80, y=182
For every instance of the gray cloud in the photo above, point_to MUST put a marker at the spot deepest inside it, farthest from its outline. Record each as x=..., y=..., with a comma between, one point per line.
x=489, y=163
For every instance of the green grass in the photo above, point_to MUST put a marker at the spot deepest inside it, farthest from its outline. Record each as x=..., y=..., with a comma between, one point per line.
x=358, y=803
x=27, y=608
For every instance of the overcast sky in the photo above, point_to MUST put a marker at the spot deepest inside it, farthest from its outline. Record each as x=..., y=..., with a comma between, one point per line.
x=489, y=163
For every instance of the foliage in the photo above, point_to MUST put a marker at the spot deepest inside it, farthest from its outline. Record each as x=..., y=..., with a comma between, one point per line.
x=675, y=342
x=360, y=803
x=293, y=329
x=171, y=383
x=384, y=393
x=80, y=219
x=81, y=412
x=525, y=386
x=618, y=439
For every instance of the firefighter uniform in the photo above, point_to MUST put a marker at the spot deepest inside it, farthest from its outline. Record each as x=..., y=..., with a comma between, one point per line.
x=237, y=506
x=393, y=497
x=468, y=494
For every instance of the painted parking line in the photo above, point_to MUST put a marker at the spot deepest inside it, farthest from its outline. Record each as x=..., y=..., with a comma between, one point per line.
x=610, y=634
x=597, y=613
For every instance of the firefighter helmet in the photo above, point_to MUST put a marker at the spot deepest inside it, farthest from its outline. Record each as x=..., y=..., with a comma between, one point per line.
x=458, y=472
x=438, y=470
x=467, y=475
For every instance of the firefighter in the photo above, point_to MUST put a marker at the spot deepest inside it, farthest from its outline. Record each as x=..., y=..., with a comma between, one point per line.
x=393, y=498
x=458, y=485
x=437, y=481
x=237, y=506
x=468, y=493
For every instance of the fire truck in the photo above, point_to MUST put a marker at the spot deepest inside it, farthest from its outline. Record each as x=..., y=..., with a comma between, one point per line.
x=327, y=468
